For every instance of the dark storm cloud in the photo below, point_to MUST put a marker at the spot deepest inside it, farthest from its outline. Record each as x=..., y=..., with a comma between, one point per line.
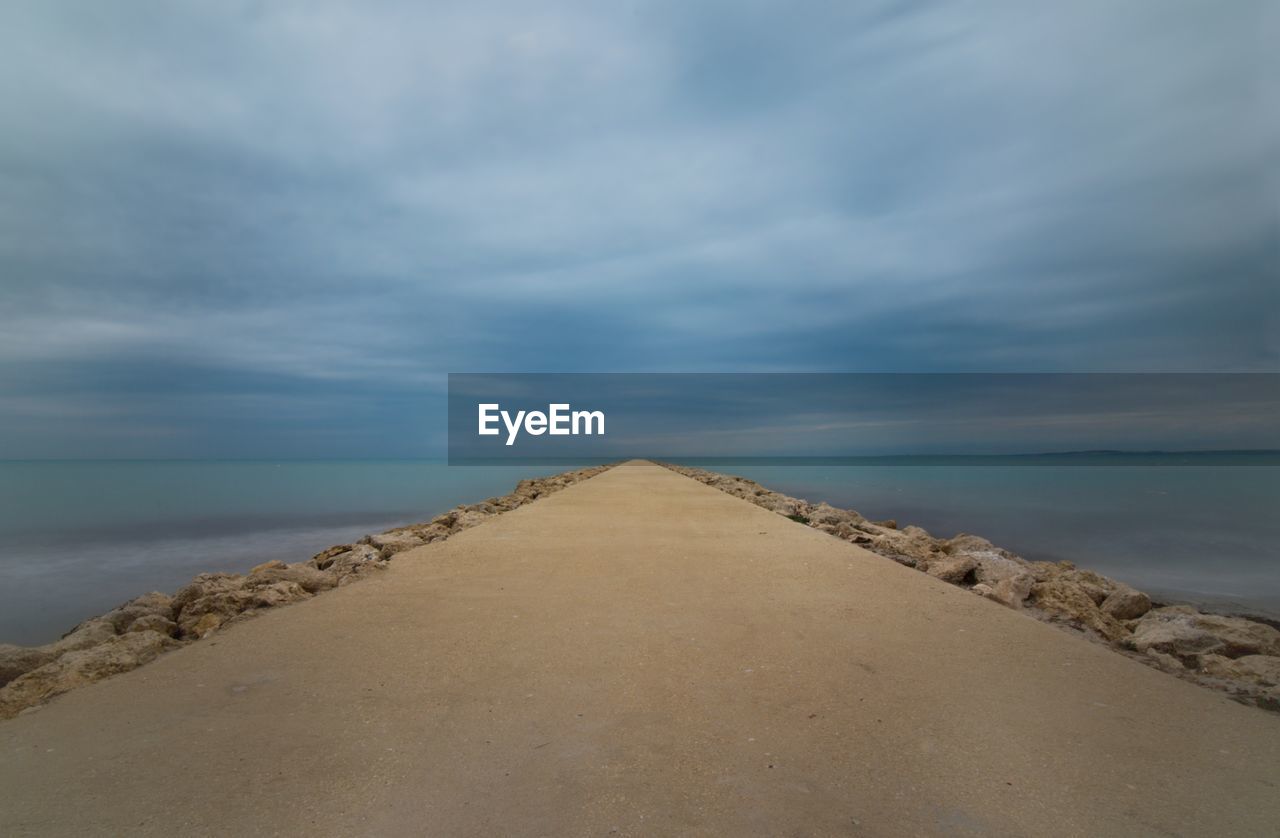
x=243, y=228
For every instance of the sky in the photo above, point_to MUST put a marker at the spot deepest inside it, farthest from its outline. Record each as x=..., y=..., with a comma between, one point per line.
x=244, y=229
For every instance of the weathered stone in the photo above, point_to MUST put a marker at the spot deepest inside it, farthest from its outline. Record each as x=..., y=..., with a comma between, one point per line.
x=826, y=514
x=954, y=569
x=196, y=618
x=390, y=543
x=309, y=578
x=89, y=633
x=1168, y=663
x=153, y=622
x=788, y=507
x=204, y=585
x=1096, y=586
x=912, y=542
x=16, y=661
x=1125, y=603
x=324, y=558
x=1064, y=601
x=1259, y=670
x=354, y=560
x=205, y=625
x=966, y=543
x=152, y=604
x=1013, y=590
x=1187, y=634
x=994, y=567
x=83, y=666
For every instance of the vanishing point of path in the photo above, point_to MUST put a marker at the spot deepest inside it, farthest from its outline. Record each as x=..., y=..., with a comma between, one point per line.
x=640, y=654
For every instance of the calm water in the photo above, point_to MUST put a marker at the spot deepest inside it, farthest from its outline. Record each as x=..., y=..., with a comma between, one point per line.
x=78, y=538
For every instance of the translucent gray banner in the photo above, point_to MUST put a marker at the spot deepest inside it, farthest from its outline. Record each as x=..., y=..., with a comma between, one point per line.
x=865, y=418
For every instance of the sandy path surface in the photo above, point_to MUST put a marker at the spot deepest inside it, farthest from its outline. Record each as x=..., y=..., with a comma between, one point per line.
x=640, y=654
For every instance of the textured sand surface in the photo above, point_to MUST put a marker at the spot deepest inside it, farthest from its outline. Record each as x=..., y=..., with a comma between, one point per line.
x=640, y=654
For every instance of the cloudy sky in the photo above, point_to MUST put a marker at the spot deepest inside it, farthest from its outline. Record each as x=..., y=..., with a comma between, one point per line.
x=270, y=229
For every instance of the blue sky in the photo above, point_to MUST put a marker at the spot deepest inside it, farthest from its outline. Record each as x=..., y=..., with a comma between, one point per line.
x=270, y=229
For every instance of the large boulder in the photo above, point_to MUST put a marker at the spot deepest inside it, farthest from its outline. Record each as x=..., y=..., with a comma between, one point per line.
x=1062, y=600
x=957, y=570
x=360, y=559
x=214, y=599
x=911, y=543
x=83, y=666
x=785, y=506
x=1125, y=603
x=324, y=558
x=1258, y=670
x=154, y=604
x=1010, y=590
x=205, y=585
x=309, y=578
x=153, y=622
x=1098, y=587
x=1184, y=633
x=89, y=633
x=16, y=661
x=825, y=514
x=390, y=543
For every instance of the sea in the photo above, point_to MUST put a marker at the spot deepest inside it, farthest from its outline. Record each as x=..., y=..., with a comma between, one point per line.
x=78, y=538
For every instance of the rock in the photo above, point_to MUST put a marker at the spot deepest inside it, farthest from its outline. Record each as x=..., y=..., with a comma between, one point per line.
x=993, y=567
x=16, y=661
x=1064, y=601
x=205, y=624
x=224, y=597
x=83, y=666
x=147, y=605
x=468, y=517
x=787, y=507
x=276, y=594
x=309, y=578
x=1258, y=670
x=912, y=542
x=972, y=544
x=324, y=558
x=360, y=558
x=431, y=532
x=826, y=514
x=204, y=585
x=1125, y=603
x=983, y=590
x=154, y=622
x=957, y=570
x=390, y=543
x=1097, y=587
x=89, y=633
x=1168, y=663
x=1013, y=590
x=1186, y=634
x=888, y=524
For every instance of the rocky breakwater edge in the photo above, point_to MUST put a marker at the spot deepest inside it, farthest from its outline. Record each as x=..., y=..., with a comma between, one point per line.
x=1236, y=655
x=141, y=629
